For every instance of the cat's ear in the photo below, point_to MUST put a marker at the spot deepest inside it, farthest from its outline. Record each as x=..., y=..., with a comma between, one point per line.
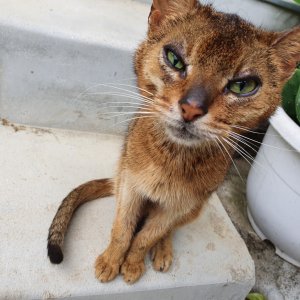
x=287, y=47
x=162, y=9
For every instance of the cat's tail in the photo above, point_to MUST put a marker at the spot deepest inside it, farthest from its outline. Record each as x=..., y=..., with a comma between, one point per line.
x=86, y=192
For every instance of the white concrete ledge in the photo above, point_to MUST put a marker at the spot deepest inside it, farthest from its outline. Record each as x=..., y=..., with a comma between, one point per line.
x=38, y=168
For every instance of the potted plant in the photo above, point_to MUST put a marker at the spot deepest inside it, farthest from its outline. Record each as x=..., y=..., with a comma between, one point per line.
x=273, y=185
x=291, y=4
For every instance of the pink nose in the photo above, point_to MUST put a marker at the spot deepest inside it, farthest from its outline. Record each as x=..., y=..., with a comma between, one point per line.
x=191, y=112
x=194, y=104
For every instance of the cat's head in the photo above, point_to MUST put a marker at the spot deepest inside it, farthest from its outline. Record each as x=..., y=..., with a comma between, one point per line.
x=208, y=73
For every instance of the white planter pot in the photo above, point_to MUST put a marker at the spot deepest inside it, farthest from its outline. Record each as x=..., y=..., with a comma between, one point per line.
x=273, y=188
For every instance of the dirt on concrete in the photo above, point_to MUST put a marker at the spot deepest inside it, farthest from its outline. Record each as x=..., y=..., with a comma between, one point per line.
x=17, y=127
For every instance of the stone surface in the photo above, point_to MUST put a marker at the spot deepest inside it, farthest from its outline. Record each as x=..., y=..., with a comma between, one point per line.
x=38, y=168
x=59, y=53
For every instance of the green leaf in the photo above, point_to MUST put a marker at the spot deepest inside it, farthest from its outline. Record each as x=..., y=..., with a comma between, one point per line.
x=298, y=105
x=297, y=1
x=289, y=94
x=255, y=296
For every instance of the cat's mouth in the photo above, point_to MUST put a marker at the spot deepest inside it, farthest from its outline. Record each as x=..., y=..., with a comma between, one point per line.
x=181, y=132
x=186, y=133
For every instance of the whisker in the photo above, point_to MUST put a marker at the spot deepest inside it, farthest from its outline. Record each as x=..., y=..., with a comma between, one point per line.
x=238, y=136
x=250, y=130
x=109, y=104
x=138, y=106
x=125, y=90
x=137, y=94
x=238, y=150
x=130, y=96
x=216, y=141
x=243, y=142
x=245, y=155
x=116, y=113
x=262, y=143
x=97, y=84
x=127, y=106
x=130, y=91
x=246, y=128
x=231, y=159
x=255, y=162
x=135, y=118
x=133, y=86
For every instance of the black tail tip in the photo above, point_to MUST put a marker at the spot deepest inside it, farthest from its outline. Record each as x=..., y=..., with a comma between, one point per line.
x=55, y=254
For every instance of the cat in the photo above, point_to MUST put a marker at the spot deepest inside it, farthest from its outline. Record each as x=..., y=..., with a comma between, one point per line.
x=205, y=77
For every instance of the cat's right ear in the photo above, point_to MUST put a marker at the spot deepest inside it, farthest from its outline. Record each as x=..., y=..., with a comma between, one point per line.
x=287, y=46
x=162, y=9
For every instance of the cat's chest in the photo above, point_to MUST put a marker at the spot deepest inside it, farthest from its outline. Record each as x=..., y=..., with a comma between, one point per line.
x=170, y=185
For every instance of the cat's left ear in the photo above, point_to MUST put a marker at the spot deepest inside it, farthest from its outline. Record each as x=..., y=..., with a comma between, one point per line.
x=287, y=47
x=162, y=9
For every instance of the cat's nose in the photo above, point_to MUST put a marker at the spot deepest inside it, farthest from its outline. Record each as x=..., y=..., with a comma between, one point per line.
x=191, y=112
x=194, y=105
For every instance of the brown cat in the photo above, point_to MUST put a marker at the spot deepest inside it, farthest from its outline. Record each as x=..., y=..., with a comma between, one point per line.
x=204, y=76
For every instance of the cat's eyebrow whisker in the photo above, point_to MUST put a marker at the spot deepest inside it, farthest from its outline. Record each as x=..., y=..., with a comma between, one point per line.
x=231, y=159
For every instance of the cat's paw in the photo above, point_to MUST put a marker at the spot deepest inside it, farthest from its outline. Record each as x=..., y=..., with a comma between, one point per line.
x=132, y=271
x=162, y=258
x=106, y=270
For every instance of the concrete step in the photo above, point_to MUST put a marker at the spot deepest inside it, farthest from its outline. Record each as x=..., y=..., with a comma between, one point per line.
x=38, y=168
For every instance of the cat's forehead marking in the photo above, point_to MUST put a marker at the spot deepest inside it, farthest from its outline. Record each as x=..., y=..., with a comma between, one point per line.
x=215, y=40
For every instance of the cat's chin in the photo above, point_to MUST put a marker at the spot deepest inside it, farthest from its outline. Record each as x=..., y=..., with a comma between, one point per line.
x=181, y=135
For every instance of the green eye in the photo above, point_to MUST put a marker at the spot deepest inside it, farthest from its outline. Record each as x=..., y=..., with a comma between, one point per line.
x=175, y=61
x=243, y=87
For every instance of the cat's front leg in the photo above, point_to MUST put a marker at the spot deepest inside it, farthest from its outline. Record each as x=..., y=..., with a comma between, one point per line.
x=129, y=206
x=161, y=254
x=158, y=225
